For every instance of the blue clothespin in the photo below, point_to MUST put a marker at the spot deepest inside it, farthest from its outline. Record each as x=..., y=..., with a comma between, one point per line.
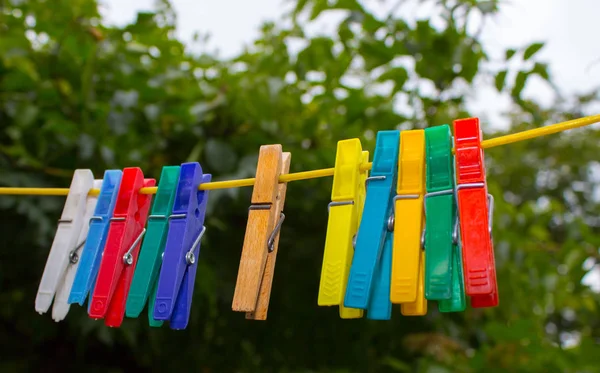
x=180, y=261
x=369, y=281
x=91, y=254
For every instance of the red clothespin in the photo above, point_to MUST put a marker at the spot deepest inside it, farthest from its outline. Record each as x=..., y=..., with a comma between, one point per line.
x=122, y=247
x=475, y=209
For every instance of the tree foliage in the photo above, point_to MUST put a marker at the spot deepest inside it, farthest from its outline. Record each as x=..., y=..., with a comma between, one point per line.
x=76, y=93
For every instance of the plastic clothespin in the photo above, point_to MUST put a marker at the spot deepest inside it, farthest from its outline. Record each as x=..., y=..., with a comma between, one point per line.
x=345, y=209
x=91, y=254
x=186, y=227
x=369, y=280
x=443, y=271
x=265, y=218
x=475, y=210
x=145, y=277
x=67, y=242
x=122, y=246
x=408, y=227
x=61, y=303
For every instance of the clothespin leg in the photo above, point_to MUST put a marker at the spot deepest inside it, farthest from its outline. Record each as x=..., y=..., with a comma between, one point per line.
x=183, y=303
x=151, y=320
x=380, y=306
x=489, y=300
x=439, y=247
x=419, y=307
x=458, y=301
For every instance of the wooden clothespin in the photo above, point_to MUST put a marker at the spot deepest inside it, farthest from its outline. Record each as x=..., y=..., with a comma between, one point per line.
x=345, y=210
x=62, y=261
x=444, y=280
x=475, y=211
x=265, y=217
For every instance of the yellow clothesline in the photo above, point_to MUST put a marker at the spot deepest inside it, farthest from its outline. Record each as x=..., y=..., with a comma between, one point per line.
x=486, y=144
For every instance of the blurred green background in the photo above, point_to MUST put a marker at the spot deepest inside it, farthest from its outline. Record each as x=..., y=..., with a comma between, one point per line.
x=77, y=93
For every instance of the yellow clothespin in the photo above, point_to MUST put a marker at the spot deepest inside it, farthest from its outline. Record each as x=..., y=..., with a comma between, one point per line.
x=407, y=285
x=345, y=210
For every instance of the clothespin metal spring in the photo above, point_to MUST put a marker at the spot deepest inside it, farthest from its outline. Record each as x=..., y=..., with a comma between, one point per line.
x=271, y=240
x=190, y=258
x=127, y=257
x=391, y=219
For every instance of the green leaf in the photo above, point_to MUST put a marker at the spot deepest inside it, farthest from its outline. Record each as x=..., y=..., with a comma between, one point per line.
x=519, y=84
x=300, y=5
x=395, y=364
x=375, y=53
x=500, y=80
x=398, y=75
x=318, y=7
x=509, y=53
x=353, y=5
x=532, y=50
x=371, y=24
x=542, y=70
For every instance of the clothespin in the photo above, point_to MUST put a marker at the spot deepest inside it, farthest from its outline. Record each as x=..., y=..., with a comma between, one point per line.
x=91, y=254
x=186, y=227
x=122, y=246
x=408, y=257
x=65, y=246
x=369, y=280
x=475, y=210
x=145, y=277
x=61, y=304
x=443, y=271
x=345, y=209
x=265, y=218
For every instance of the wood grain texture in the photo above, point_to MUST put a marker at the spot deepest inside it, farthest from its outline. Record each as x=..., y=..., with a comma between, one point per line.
x=259, y=227
x=267, y=174
x=264, y=295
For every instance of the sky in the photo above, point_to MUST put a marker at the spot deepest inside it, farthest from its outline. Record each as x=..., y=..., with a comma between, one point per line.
x=567, y=26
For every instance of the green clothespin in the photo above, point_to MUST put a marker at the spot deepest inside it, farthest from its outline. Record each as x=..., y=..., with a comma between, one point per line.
x=145, y=278
x=443, y=268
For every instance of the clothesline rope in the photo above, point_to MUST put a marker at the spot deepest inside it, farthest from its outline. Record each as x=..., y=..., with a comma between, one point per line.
x=304, y=175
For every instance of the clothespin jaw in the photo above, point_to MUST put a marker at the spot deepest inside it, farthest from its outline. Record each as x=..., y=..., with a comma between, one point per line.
x=186, y=228
x=475, y=212
x=91, y=254
x=347, y=199
x=373, y=232
x=145, y=277
x=443, y=272
x=261, y=239
x=408, y=217
x=122, y=246
x=65, y=242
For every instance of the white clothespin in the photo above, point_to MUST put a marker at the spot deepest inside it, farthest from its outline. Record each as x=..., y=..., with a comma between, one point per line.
x=61, y=305
x=70, y=235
